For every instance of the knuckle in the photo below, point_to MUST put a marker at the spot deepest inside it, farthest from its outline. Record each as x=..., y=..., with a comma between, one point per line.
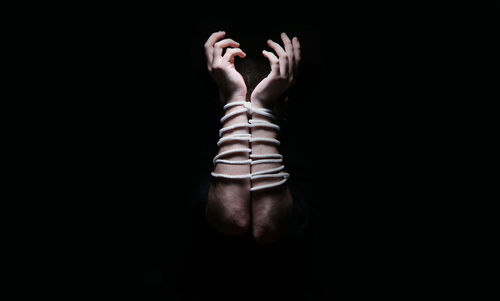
x=218, y=65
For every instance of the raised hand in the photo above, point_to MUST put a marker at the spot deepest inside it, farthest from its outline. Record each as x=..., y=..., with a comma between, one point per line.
x=283, y=73
x=221, y=67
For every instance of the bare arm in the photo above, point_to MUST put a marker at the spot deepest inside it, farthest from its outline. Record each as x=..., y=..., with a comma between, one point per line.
x=231, y=207
x=228, y=204
x=271, y=207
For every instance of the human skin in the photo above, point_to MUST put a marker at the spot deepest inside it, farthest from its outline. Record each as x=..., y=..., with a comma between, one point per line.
x=231, y=208
x=228, y=205
x=271, y=208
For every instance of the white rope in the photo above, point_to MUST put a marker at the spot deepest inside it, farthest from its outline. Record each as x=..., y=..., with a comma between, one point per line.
x=269, y=185
x=235, y=137
x=234, y=162
x=267, y=171
x=271, y=140
x=235, y=103
x=232, y=127
x=219, y=175
x=266, y=161
x=260, y=111
x=234, y=113
x=276, y=175
x=232, y=151
x=278, y=156
x=262, y=123
x=254, y=159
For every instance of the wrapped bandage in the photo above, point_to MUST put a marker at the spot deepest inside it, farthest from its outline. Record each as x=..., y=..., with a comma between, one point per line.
x=254, y=159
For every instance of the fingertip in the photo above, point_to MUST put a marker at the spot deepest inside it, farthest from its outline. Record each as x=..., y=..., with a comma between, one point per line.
x=269, y=41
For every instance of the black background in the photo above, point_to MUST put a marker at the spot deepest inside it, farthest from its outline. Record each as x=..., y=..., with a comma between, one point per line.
x=357, y=121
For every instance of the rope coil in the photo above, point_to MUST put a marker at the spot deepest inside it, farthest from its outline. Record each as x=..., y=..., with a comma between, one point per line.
x=254, y=159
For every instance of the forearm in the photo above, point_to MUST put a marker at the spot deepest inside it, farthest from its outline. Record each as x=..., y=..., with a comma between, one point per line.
x=248, y=167
x=270, y=206
x=261, y=148
x=228, y=207
x=229, y=145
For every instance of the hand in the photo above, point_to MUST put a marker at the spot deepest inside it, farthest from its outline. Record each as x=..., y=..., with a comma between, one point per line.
x=283, y=74
x=221, y=68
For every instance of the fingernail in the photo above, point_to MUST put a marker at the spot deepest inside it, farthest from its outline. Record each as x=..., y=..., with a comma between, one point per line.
x=269, y=41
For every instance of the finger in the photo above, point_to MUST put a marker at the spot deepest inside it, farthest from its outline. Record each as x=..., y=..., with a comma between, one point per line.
x=296, y=53
x=283, y=59
x=289, y=52
x=209, y=44
x=219, y=46
x=273, y=60
x=277, y=47
x=232, y=52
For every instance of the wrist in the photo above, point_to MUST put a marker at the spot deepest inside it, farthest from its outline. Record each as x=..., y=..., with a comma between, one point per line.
x=263, y=132
x=234, y=96
x=261, y=104
x=235, y=118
